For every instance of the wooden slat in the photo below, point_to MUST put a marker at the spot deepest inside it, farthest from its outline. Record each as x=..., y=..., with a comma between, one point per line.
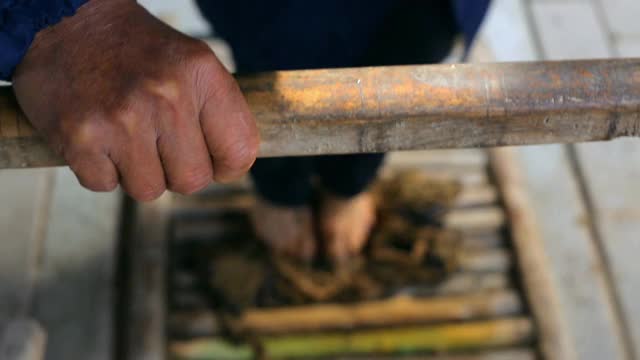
x=146, y=310
x=433, y=159
x=611, y=174
x=22, y=339
x=74, y=292
x=466, y=176
x=459, y=283
x=476, y=196
x=202, y=223
x=25, y=198
x=241, y=199
x=554, y=341
x=561, y=264
x=490, y=260
x=475, y=220
x=469, y=282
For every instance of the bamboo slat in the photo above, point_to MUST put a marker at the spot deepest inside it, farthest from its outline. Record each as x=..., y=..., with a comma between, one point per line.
x=401, y=310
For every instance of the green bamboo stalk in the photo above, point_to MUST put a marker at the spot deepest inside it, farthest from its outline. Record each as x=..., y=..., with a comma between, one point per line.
x=494, y=354
x=210, y=349
x=435, y=338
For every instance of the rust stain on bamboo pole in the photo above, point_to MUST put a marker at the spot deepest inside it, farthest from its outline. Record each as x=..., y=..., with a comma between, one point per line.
x=447, y=106
x=416, y=107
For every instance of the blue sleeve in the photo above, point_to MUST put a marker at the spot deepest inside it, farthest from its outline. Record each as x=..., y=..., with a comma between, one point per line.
x=470, y=14
x=21, y=20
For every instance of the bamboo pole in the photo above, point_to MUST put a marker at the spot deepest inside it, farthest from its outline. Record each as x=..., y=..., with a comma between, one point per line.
x=470, y=263
x=191, y=317
x=475, y=220
x=435, y=159
x=401, y=310
x=203, y=222
x=226, y=351
x=492, y=239
x=381, y=109
x=462, y=175
x=462, y=282
x=406, y=340
x=199, y=321
x=241, y=198
x=509, y=354
x=554, y=341
x=484, y=260
x=465, y=283
x=188, y=300
x=476, y=196
x=193, y=324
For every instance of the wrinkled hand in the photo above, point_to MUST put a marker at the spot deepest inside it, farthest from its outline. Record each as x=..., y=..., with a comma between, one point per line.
x=126, y=99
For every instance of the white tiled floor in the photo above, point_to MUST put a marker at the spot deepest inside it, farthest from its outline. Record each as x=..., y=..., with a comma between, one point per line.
x=622, y=16
x=506, y=32
x=628, y=47
x=570, y=30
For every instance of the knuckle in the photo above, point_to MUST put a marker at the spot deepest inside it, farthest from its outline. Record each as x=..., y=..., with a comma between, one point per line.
x=165, y=91
x=108, y=185
x=126, y=121
x=221, y=87
x=192, y=181
x=91, y=177
x=134, y=114
x=157, y=102
x=240, y=155
x=165, y=98
x=80, y=135
x=201, y=54
x=147, y=194
x=207, y=71
x=145, y=190
x=100, y=185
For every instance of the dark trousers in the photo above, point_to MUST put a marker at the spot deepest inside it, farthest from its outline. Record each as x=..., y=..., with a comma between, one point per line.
x=292, y=34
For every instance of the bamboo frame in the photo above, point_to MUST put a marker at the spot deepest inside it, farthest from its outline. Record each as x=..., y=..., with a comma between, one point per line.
x=381, y=109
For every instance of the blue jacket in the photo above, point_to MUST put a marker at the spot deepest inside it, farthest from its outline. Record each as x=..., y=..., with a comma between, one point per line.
x=299, y=34
x=21, y=20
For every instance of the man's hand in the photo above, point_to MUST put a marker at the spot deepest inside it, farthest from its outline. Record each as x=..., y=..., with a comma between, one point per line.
x=126, y=99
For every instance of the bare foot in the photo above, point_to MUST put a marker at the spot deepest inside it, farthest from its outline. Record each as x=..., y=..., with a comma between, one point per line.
x=286, y=230
x=345, y=224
